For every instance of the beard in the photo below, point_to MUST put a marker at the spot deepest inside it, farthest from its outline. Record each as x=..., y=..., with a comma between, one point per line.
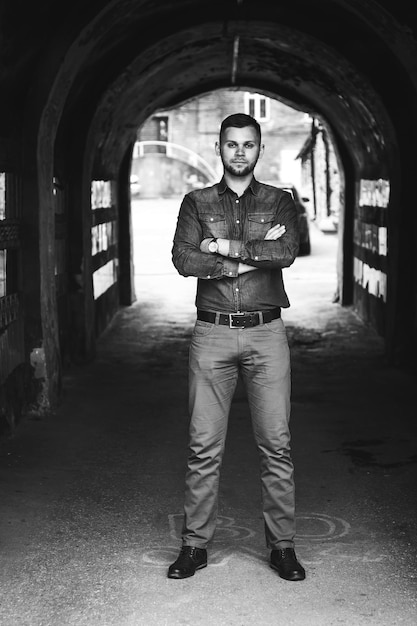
x=239, y=171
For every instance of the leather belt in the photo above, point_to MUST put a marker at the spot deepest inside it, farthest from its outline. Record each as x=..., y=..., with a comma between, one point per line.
x=240, y=320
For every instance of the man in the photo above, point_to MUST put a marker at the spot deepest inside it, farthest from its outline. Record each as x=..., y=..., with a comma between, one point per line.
x=236, y=237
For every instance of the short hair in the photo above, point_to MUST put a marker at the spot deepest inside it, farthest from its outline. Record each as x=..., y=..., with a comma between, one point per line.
x=240, y=120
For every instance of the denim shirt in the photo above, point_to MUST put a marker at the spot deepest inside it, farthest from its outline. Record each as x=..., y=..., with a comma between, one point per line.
x=219, y=212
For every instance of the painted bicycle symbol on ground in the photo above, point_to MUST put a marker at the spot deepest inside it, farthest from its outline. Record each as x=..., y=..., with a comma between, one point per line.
x=314, y=530
x=321, y=527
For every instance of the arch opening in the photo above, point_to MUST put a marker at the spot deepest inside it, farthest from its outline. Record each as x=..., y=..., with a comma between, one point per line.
x=333, y=93
x=268, y=57
x=289, y=135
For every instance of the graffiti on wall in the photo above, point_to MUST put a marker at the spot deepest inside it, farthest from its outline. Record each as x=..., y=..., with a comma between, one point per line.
x=371, y=279
x=374, y=192
x=100, y=194
x=372, y=237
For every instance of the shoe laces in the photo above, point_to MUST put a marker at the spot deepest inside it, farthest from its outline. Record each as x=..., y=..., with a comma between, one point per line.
x=189, y=550
x=286, y=553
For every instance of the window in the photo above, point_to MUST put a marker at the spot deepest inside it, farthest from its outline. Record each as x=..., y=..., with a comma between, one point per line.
x=257, y=106
x=162, y=128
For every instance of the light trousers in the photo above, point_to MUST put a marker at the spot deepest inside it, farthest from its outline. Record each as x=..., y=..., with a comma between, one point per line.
x=217, y=355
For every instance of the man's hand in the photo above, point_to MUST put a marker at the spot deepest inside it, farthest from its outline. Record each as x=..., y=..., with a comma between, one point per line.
x=243, y=268
x=275, y=232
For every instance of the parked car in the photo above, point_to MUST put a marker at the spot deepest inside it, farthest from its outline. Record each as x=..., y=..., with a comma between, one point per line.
x=303, y=219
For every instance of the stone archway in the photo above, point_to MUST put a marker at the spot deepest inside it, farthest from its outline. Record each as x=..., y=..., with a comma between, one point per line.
x=123, y=66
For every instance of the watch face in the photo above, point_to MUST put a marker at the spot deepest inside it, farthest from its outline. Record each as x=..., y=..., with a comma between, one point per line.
x=213, y=246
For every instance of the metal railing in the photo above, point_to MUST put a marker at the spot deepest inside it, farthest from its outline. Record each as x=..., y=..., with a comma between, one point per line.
x=176, y=151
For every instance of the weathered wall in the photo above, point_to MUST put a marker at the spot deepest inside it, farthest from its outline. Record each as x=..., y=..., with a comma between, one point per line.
x=370, y=251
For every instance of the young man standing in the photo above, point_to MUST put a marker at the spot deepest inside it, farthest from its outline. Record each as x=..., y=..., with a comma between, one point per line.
x=236, y=237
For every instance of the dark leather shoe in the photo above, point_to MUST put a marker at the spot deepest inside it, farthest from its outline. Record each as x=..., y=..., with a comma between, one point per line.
x=189, y=560
x=286, y=564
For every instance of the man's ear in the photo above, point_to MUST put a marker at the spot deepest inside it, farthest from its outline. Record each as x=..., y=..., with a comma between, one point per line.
x=261, y=150
x=217, y=148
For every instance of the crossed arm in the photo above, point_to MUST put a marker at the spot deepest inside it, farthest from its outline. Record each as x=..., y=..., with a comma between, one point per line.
x=277, y=249
x=273, y=233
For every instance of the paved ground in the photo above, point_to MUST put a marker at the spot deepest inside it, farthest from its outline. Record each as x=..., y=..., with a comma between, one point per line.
x=92, y=496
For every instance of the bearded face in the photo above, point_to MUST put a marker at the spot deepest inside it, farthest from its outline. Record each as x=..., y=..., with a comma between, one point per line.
x=239, y=150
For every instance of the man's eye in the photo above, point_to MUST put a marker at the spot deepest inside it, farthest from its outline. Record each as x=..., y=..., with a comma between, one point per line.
x=249, y=145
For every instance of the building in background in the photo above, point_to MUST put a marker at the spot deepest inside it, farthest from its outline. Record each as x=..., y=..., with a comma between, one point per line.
x=322, y=179
x=175, y=148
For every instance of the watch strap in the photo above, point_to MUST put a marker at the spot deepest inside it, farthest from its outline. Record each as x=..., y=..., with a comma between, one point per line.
x=213, y=240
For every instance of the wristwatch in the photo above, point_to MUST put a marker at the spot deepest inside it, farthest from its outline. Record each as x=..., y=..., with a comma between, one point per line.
x=213, y=246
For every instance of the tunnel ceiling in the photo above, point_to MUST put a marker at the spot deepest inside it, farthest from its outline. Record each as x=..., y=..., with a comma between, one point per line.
x=114, y=63
x=261, y=56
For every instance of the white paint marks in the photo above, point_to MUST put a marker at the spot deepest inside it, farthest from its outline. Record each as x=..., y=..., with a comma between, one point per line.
x=371, y=279
x=315, y=531
x=374, y=192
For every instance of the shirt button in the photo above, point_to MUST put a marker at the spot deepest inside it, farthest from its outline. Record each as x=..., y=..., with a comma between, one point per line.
x=256, y=258
x=262, y=220
x=237, y=221
x=212, y=219
x=236, y=253
x=237, y=201
x=237, y=288
x=230, y=273
x=209, y=276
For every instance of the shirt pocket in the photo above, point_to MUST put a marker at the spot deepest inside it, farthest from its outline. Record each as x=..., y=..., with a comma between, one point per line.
x=259, y=224
x=213, y=224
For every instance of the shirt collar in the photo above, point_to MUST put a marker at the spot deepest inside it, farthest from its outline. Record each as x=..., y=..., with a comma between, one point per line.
x=253, y=186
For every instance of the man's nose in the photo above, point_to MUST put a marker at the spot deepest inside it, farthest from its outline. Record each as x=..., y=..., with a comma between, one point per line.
x=240, y=150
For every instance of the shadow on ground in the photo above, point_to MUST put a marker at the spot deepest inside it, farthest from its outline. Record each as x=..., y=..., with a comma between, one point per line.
x=92, y=496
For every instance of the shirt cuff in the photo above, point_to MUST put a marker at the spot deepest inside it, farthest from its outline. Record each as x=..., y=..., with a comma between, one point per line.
x=230, y=268
x=236, y=249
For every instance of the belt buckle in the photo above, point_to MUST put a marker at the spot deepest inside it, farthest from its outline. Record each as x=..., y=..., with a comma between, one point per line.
x=232, y=322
